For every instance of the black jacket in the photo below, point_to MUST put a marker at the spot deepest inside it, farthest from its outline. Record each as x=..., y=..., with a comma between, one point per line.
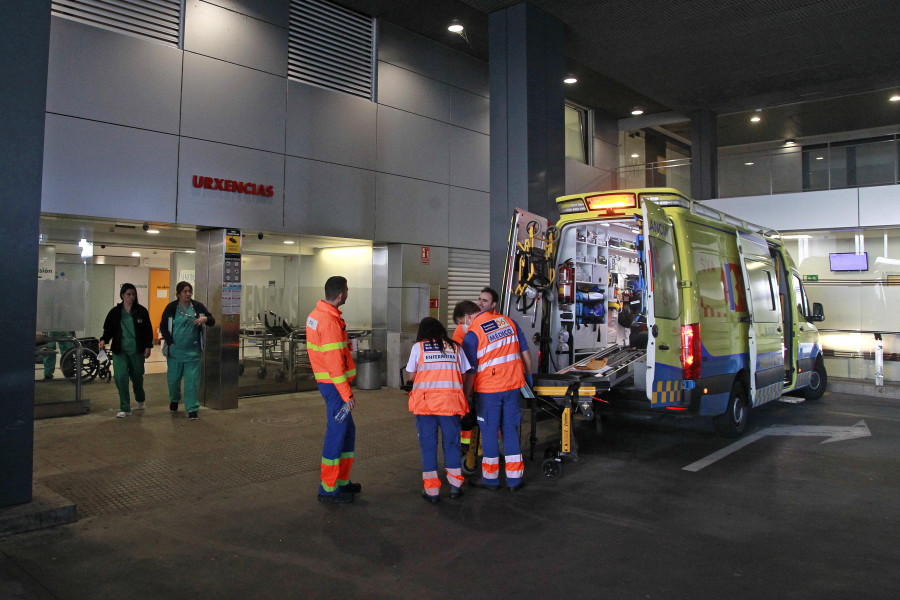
x=165, y=324
x=143, y=330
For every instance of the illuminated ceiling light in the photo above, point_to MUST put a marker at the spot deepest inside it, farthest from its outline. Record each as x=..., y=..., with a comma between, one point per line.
x=288, y=242
x=136, y=254
x=789, y=142
x=455, y=26
x=570, y=80
x=635, y=155
x=153, y=231
x=191, y=251
x=756, y=118
x=637, y=112
x=895, y=98
x=820, y=158
x=749, y=163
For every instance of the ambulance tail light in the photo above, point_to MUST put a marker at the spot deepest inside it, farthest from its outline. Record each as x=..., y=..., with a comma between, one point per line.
x=690, y=350
x=612, y=203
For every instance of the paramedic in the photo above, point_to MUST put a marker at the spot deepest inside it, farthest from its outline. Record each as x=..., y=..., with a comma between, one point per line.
x=497, y=348
x=463, y=313
x=128, y=326
x=487, y=300
x=333, y=368
x=183, y=329
x=438, y=367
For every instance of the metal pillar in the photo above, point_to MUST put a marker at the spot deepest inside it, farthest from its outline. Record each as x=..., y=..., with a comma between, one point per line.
x=704, y=155
x=24, y=55
x=527, y=113
x=218, y=286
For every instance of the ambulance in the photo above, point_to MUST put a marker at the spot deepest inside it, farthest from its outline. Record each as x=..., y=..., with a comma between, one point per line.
x=643, y=300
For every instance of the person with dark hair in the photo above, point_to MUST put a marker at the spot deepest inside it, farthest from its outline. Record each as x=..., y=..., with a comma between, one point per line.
x=183, y=328
x=438, y=369
x=128, y=326
x=333, y=368
x=497, y=348
x=488, y=299
x=463, y=313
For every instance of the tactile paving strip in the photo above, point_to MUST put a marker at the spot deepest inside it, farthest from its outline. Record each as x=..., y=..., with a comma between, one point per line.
x=127, y=487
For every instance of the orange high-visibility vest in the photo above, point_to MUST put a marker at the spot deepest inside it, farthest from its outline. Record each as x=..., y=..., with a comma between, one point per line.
x=500, y=367
x=329, y=352
x=438, y=385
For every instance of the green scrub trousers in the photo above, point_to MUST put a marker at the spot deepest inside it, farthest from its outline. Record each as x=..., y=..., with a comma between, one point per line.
x=184, y=361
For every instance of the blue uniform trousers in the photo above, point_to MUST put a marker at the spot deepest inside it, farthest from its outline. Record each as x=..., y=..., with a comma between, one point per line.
x=500, y=412
x=340, y=441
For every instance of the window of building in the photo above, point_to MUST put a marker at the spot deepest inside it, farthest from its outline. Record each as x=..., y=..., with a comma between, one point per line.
x=159, y=20
x=332, y=47
x=576, y=118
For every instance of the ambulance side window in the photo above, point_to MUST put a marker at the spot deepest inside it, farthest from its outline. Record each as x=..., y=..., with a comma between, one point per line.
x=800, y=298
x=762, y=292
x=666, y=302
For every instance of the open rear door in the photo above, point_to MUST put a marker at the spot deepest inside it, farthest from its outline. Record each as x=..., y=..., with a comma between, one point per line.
x=528, y=273
x=663, y=302
x=764, y=307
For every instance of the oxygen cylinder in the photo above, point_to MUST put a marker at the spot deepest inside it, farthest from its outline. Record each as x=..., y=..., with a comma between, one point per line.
x=565, y=278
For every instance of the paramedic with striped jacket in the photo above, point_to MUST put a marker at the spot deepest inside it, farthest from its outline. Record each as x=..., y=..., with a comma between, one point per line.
x=497, y=348
x=333, y=368
x=438, y=367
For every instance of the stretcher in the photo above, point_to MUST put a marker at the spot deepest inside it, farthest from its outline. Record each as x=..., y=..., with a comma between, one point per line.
x=572, y=390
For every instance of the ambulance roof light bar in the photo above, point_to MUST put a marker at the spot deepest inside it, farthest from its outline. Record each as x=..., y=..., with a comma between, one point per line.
x=611, y=204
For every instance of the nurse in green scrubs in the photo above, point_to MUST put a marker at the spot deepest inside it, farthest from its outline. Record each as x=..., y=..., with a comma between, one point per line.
x=128, y=327
x=182, y=328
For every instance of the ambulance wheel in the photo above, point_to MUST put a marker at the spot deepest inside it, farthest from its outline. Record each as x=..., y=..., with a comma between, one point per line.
x=817, y=382
x=733, y=422
x=261, y=373
x=551, y=468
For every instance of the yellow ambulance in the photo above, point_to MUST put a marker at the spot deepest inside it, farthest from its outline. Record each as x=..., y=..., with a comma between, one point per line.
x=644, y=300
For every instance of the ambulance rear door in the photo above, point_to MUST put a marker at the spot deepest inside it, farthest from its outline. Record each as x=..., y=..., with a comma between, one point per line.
x=528, y=275
x=766, y=337
x=663, y=302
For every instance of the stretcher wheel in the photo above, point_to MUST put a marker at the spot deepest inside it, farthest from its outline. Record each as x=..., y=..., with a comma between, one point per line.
x=261, y=373
x=551, y=468
x=279, y=375
x=470, y=470
x=240, y=370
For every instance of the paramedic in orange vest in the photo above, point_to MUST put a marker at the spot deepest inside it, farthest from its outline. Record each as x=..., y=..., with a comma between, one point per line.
x=497, y=348
x=333, y=368
x=463, y=313
x=438, y=368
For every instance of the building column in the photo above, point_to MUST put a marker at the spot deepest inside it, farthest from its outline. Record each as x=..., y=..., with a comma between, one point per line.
x=24, y=55
x=527, y=117
x=704, y=155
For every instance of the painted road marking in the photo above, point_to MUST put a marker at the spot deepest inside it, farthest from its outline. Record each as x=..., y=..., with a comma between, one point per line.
x=834, y=434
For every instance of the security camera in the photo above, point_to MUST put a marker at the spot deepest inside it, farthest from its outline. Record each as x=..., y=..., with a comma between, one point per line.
x=146, y=226
x=259, y=235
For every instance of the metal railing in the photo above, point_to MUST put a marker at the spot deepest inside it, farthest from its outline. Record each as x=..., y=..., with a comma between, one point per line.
x=878, y=354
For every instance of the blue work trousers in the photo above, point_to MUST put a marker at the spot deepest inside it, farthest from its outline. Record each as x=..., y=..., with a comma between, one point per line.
x=340, y=442
x=500, y=412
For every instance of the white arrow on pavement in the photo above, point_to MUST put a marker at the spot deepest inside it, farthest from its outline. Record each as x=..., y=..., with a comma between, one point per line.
x=834, y=434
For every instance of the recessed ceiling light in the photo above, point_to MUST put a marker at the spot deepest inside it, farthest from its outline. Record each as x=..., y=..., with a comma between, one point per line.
x=455, y=26
x=635, y=155
x=895, y=98
x=789, y=142
x=755, y=119
x=289, y=242
x=153, y=231
x=820, y=158
x=637, y=112
x=748, y=163
x=135, y=254
x=570, y=80
x=191, y=251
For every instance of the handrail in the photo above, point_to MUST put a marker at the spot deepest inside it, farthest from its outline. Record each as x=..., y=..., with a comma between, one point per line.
x=879, y=349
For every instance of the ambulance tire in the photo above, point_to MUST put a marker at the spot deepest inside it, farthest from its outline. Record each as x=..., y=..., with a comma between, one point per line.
x=817, y=382
x=733, y=422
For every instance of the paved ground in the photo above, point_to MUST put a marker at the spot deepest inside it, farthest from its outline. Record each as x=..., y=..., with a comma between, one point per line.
x=225, y=507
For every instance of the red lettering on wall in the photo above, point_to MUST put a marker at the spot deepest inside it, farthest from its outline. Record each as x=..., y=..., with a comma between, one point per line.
x=235, y=187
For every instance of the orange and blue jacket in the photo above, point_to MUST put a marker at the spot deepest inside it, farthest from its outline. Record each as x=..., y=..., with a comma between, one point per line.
x=438, y=385
x=329, y=351
x=498, y=354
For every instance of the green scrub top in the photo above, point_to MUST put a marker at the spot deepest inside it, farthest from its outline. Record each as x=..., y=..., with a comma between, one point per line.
x=186, y=336
x=126, y=334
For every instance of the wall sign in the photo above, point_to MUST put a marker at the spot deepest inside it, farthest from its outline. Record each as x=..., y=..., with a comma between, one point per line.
x=426, y=255
x=236, y=187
